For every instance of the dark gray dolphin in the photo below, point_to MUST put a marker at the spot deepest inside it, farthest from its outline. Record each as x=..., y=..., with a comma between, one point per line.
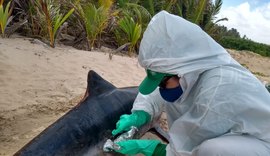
x=85, y=128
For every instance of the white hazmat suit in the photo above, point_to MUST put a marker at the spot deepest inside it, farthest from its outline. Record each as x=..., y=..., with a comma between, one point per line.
x=223, y=106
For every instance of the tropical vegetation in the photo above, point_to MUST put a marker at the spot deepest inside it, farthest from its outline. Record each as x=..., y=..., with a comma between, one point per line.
x=5, y=16
x=231, y=39
x=245, y=44
x=89, y=24
x=49, y=13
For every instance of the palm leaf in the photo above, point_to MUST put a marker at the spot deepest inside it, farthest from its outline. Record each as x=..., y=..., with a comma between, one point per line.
x=139, y=13
x=5, y=17
x=217, y=7
x=60, y=20
x=199, y=11
x=222, y=19
x=167, y=5
x=105, y=3
x=49, y=12
x=132, y=30
x=95, y=20
x=149, y=5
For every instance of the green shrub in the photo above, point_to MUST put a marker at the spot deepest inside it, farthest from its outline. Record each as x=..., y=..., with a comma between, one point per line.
x=131, y=30
x=95, y=18
x=245, y=44
x=54, y=19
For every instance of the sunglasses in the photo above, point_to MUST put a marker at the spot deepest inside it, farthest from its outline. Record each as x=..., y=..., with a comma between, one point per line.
x=163, y=82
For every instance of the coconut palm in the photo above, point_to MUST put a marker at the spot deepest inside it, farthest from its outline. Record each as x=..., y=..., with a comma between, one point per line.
x=210, y=20
x=200, y=12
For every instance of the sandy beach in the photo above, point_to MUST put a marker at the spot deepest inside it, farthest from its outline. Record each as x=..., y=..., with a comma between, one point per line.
x=39, y=84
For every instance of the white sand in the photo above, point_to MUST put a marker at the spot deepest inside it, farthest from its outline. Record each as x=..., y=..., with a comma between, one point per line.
x=38, y=84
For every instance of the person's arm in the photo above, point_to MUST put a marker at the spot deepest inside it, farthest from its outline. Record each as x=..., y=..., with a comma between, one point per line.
x=145, y=109
x=151, y=103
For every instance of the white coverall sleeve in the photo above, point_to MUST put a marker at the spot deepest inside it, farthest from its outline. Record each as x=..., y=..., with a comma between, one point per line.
x=151, y=103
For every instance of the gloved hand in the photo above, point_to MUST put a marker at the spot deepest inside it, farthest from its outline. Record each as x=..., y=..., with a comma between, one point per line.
x=137, y=119
x=132, y=147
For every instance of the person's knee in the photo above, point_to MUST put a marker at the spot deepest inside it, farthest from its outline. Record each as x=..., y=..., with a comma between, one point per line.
x=232, y=146
x=211, y=148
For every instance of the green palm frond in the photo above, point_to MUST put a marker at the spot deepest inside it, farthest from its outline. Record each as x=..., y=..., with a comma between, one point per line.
x=122, y=3
x=141, y=14
x=134, y=9
x=132, y=30
x=167, y=5
x=95, y=19
x=199, y=11
x=222, y=19
x=105, y=3
x=151, y=7
x=217, y=7
x=178, y=9
x=50, y=14
x=5, y=17
x=59, y=19
x=213, y=10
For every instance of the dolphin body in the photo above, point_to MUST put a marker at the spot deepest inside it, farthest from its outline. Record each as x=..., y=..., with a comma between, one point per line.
x=84, y=129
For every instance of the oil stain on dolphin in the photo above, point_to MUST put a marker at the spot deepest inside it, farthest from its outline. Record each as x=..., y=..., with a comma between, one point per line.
x=84, y=129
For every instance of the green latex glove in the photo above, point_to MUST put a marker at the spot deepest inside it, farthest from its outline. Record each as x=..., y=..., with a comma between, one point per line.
x=132, y=147
x=137, y=119
x=160, y=150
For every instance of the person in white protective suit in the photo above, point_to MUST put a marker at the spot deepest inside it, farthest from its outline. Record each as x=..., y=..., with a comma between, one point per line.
x=214, y=106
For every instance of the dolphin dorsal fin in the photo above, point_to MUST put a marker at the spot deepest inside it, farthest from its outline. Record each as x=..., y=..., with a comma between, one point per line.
x=97, y=85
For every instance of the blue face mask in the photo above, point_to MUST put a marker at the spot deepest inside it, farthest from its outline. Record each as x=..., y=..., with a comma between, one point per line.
x=171, y=94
